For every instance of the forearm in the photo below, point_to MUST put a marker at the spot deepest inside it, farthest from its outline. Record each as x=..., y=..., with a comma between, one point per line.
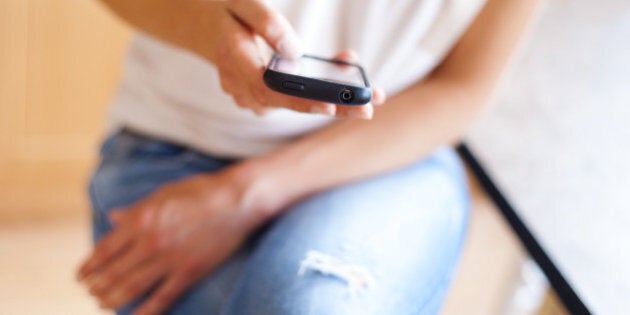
x=409, y=127
x=412, y=124
x=180, y=23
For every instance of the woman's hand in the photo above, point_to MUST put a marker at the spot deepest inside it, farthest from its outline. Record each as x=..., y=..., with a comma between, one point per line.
x=170, y=240
x=224, y=33
x=240, y=63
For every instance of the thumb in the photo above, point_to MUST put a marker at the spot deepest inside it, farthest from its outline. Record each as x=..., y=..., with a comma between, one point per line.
x=274, y=28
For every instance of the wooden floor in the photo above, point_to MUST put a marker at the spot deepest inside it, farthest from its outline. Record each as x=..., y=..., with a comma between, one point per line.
x=37, y=268
x=489, y=265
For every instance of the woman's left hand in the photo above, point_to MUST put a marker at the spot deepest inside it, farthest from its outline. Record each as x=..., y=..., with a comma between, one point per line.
x=169, y=241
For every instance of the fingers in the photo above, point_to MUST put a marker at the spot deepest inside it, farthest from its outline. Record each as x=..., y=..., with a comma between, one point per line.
x=136, y=283
x=365, y=111
x=244, y=82
x=245, y=101
x=250, y=73
x=112, y=245
x=360, y=112
x=101, y=282
x=168, y=292
x=240, y=73
x=301, y=105
x=271, y=26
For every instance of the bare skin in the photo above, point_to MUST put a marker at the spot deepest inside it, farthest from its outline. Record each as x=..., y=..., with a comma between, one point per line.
x=181, y=233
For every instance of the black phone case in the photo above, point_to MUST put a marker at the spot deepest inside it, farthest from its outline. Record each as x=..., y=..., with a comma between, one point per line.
x=317, y=89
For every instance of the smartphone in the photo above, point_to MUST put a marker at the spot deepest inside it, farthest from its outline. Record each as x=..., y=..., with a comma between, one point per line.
x=320, y=79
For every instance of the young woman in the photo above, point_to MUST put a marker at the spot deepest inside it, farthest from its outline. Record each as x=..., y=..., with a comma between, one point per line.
x=213, y=191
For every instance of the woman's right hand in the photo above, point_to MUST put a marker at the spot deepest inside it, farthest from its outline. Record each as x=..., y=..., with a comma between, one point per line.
x=240, y=64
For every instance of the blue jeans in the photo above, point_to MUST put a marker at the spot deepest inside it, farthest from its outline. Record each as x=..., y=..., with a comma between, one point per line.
x=404, y=228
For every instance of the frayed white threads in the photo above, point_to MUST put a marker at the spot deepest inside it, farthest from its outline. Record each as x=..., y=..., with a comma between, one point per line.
x=357, y=277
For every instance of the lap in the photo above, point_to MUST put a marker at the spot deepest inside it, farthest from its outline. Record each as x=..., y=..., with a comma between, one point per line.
x=405, y=228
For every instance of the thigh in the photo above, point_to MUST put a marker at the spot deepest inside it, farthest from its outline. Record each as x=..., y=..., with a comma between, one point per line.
x=131, y=168
x=403, y=230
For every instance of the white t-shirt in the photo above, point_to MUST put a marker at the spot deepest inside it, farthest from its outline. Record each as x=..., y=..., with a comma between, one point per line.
x=174, y=95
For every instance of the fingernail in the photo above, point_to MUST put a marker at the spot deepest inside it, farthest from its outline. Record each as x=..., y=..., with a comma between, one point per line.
x=290, y=47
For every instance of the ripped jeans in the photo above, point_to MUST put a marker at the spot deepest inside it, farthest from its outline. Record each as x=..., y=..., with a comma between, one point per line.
x=404, y=229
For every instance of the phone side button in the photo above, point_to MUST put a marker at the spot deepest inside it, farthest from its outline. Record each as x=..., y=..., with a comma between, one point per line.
x=293, y=85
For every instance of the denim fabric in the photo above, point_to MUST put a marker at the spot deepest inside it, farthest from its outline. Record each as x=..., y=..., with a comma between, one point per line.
x=405, y=227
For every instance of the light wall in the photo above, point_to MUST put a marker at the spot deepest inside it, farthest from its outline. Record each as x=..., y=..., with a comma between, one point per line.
x=59, y=65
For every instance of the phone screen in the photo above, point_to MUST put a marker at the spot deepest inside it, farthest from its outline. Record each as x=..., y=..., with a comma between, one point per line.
x=321, y=69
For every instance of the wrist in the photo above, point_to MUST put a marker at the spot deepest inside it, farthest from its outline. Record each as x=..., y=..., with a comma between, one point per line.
x=261, y=191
